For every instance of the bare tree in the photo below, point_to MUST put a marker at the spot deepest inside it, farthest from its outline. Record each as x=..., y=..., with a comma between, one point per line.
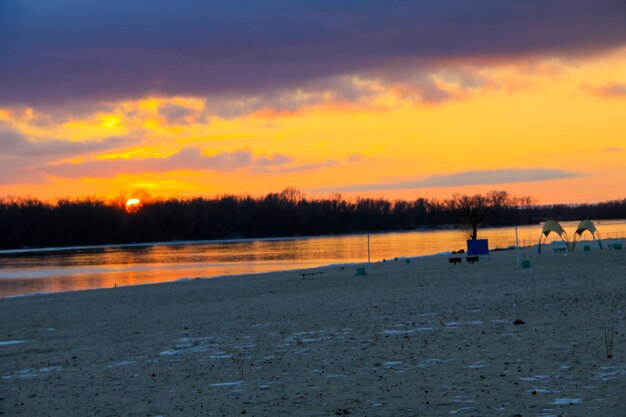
x=526, y=204
x=499, y=199
x=473, y=208
x=292, y=195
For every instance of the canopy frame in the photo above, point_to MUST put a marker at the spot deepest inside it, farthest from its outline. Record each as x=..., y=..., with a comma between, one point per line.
x=552, y=226
x=587, y=226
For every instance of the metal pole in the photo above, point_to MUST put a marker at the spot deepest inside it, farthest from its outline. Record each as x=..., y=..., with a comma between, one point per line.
x=368, y=253
x=517, y=248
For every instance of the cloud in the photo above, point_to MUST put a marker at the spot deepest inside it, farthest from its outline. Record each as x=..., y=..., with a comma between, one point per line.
x=69, y=50
x=329, y=90
x=611, y=90
x=186, y=159
x=22, y=158
x=356, y=157
x=274, y=160
x=613, y=149
x=13, y=143
x=503, y=176
x=20, y=170
x=293, y=168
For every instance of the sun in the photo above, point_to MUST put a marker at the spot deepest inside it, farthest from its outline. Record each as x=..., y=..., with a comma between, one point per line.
x=132, y=205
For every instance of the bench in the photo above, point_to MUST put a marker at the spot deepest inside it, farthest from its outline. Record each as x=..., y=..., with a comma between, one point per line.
x=557, y=250
x=304, y=274
x=455, y=260
x=472, y=259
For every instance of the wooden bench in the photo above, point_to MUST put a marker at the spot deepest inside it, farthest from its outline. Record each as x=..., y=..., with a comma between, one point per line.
x=455, y=260
x=472, y=259
x=304, y=274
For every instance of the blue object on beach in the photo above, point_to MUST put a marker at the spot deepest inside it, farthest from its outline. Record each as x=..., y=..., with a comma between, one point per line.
x=525, y=264
x=587, y=248
x=477, y=247
x=408, y=261
x=360, y=271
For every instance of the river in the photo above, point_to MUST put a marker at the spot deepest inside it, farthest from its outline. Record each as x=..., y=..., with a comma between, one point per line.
x=27, y=272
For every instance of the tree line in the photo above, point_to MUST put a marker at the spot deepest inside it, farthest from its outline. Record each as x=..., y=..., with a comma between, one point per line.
x=30, y=222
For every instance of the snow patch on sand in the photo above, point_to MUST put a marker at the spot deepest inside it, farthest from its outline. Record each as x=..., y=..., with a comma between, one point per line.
x=30, y=373
x=541, y=391
x=535, y=378
x=226, y=384
x=122, y=363
x=476, y=365
x=432, y=362
x=14, y=342
x=463, y=410
x=567, y=401
x=611, y=372
x=409, y=331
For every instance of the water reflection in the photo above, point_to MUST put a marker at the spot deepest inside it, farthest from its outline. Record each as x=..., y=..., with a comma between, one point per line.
x=80, y=269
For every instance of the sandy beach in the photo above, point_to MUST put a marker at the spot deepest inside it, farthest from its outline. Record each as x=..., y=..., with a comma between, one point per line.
x=424, y=338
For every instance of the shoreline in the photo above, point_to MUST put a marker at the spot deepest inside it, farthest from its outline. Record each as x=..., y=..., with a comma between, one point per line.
x=251, y=275
x=16, y=251
x=209, y=242
x=325, y=266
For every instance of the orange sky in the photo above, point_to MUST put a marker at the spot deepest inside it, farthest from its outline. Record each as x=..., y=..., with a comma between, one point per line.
x=542, y=126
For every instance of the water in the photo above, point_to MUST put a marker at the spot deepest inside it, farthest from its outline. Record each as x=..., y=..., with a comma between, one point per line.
x=32, y=272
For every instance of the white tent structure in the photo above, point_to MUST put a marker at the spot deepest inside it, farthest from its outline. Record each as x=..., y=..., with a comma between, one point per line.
x=587, y=226
x=552, y=226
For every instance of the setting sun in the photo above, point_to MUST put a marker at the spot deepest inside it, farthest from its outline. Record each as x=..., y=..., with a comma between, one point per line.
x=133, y=204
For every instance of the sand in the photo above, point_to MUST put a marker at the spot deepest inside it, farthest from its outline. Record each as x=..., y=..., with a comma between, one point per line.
x=424, y=338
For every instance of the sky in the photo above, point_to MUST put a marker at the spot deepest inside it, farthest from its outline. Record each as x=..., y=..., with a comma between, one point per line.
x=395, y=99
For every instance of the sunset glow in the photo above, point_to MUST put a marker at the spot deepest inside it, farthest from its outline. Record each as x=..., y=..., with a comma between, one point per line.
x=540, y=119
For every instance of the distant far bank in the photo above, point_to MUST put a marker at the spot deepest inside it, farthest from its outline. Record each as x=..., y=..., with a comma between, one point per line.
x=31, y=223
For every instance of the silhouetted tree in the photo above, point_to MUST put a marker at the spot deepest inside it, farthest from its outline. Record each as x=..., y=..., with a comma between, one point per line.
x=28, y=222
x=476, y=208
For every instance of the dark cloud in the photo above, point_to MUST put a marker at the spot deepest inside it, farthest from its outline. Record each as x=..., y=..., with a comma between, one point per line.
x=179, y=115
x=186, y=159
x=502, y=176
x=75, y=50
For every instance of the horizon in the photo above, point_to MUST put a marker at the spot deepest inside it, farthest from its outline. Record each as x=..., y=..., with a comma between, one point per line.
x=142, y=197
x=312, y=196
x=396, y=101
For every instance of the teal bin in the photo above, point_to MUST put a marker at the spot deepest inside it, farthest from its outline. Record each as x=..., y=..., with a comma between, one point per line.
x=360, y=271
x=587, y=248
x=618, y=246
x=526, y=264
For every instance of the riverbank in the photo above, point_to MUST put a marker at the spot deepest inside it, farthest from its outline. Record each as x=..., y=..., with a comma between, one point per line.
x=418, y=338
